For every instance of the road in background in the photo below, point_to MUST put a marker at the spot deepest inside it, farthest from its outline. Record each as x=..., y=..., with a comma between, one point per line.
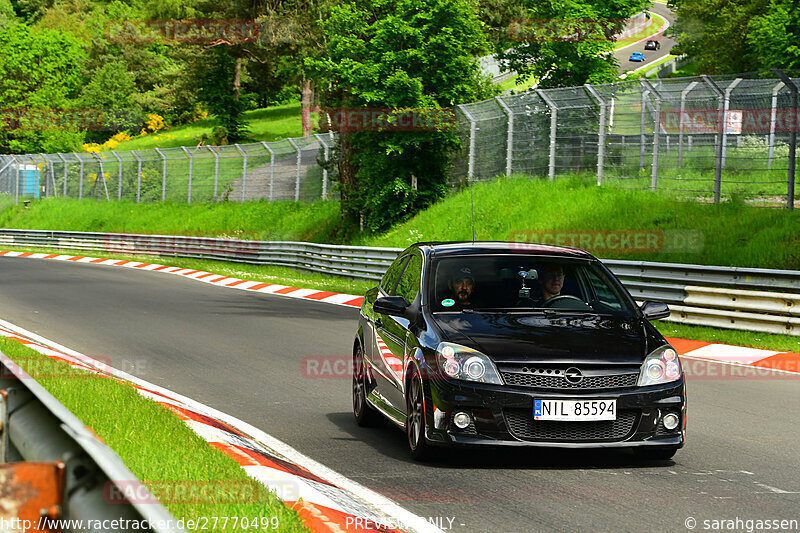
x=651, y=56
x=242, y=353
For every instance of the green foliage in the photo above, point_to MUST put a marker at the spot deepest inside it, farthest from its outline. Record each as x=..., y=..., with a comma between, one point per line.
x=543, y=50
x=772, y=36
x=403, y=57
x=217, y=92
x=40, y=75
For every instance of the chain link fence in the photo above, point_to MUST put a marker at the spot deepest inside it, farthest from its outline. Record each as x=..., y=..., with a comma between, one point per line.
x=705, y=138
x=290, y=169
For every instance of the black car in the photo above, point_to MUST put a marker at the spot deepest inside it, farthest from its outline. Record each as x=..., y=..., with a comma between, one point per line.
x=493, y=343
x=652, y=45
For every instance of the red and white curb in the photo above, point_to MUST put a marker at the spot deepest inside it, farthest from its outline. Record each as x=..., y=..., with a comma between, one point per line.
x=325, y=500
x=349, y=300
x=771, y=360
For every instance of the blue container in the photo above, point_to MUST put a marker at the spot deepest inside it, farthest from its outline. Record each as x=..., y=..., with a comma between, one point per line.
x=29, y=181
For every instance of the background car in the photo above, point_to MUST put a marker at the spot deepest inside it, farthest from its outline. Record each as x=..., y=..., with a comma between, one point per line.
x=652, y=45
x=498, y=344
x=636, y=56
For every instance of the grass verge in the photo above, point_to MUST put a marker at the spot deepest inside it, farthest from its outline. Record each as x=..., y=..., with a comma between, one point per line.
x=656, y=21
x=154, y=444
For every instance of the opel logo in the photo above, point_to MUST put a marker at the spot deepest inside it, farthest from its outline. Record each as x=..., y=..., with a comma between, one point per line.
x=573, y=375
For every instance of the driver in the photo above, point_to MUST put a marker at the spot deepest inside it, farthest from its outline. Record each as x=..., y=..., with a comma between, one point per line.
x=551, y=279
x=461, y=285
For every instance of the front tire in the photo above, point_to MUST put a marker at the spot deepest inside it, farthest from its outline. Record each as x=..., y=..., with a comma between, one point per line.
x=415, y=419
x=363, y=412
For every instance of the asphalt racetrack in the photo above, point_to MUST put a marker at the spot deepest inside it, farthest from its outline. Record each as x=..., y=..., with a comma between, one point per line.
x=243, y=353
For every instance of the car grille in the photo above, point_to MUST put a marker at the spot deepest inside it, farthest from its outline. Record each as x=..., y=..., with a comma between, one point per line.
x=551, y=378
x=520, y=424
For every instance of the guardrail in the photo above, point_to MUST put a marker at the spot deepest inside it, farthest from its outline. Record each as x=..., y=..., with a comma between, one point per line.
x=66, y=470
x=704, y=295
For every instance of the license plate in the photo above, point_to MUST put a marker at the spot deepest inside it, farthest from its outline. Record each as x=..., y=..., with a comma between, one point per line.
x=575, y=410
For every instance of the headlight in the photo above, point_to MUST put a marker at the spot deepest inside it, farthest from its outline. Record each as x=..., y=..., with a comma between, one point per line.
x=460, y=362
x=661, y=366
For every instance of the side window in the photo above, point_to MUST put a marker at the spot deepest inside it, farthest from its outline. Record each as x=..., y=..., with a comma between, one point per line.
x=390, y=278
x=604, y=293
x=408, y=287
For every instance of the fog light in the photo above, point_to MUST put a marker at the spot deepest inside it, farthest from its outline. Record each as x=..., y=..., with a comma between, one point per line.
x=462, y=420
x=671, y=421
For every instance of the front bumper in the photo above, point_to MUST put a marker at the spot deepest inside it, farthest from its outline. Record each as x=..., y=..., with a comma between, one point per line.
x=503, y=415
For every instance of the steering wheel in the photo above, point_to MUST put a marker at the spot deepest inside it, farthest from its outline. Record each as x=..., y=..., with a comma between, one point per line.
x=561, y=298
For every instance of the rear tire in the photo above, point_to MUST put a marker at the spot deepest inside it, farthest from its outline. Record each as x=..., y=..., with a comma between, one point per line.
x=363, y=412
x=655, y=453
x=415, y=419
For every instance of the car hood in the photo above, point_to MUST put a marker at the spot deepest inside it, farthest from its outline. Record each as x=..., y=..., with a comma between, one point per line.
x=514, y=338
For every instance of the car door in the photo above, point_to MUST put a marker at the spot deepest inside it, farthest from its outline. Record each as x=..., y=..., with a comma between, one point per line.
x=388, y=339
x=408, y=287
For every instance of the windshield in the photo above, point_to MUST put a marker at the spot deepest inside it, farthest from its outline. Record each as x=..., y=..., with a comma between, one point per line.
x=525, y=283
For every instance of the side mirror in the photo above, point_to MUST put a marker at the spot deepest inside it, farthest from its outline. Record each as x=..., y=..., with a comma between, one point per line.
x=391, y=305
x=654, y=310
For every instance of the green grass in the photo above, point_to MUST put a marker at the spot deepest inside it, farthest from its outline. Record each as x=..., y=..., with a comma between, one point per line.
x=152, y=442
x=734, y=234
x=258, y=220
x=268, y=124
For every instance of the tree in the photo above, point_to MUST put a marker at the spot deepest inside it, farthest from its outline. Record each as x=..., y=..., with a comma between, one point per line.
x=772, y=36
x=567, y=43
x=40, y=76
x=406, y=58
x=715, y=34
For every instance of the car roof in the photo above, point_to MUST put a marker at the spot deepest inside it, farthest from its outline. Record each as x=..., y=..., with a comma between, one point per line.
x=499, y=247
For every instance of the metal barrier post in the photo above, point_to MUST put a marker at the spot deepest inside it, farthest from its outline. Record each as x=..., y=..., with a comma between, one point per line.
x=191, y=162
x=725, y=108
x=720, y=129
x=138, y=176
x=16, y=180
x=216, y=169
x=80, y=178
x=101, y=176
x=299, y=161
x=163, y=175
x=684, y=92
x=271, y=168
x=642, y=126
x=601, y=132
x=66, y=174
x=510, y=133
x=244, y=170
x=656, y=133
x=772, y=117
x=119, y=174
x=551, y=169
x=792, y=138
x=473, y=127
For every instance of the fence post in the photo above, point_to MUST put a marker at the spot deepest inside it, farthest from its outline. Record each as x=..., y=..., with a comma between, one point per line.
x=656, y=133
x=191, y=164
x=271, y=167
x=725, y=108
x=138, y=175
x=16, y=180
x=163, y=175
x=101, y=176
x=601, y=133
x=216, y=168
x=66, y=170
x=684, y=92
x=792, y=138
x=551, y=169
x=510, y=133
x=49, y=172
x=772, y=117
x=299, y=161
x=642, y=128
x=80, y=178
x=321, y=138
x=720, y=131
x=244, y=170
x=473, y=127
x=119, y=174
